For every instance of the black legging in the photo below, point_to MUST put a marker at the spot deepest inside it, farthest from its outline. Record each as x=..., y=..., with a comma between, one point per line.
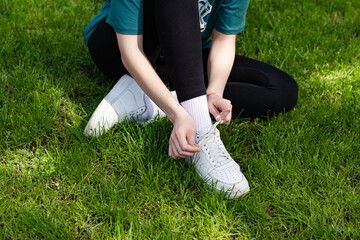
x=254, y=88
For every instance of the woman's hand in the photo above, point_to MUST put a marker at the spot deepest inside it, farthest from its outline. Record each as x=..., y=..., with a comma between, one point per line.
x=182, y=139
x=220, y=108
x=220, y=62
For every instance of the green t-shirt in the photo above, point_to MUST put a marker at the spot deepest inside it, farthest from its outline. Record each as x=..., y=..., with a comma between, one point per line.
x=126, y=17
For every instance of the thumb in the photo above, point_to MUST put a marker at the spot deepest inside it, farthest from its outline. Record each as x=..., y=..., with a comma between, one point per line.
x=191, y=139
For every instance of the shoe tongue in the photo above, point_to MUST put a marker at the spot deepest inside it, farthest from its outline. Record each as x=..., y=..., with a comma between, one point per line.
x=218, y=150
x=197, y=139
x=200, y=136
x=211, y=130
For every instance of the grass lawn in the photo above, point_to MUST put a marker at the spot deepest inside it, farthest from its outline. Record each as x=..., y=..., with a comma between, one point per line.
x=303, y=166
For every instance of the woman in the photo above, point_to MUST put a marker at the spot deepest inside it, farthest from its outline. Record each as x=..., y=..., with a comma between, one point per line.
x=135, y=37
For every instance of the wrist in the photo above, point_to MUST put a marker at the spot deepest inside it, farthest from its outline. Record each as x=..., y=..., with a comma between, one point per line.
x=176, y=112
x=214, y=91
x=209, y=94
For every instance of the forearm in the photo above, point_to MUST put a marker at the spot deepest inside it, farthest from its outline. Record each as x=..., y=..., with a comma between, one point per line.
x=220, y=62
x=144, y=74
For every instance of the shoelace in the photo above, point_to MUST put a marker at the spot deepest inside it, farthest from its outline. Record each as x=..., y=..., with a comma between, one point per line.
x=219, y=156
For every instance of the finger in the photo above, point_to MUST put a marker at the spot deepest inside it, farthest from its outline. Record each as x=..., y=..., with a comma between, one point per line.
x=172, y=142
x=226, y=119
x=191, y=138
x=185, y=151
x=184, y=145
x=186, y=154
x=191, y=142
x=177, y=147
x=226, y=110
x=171, y=151
x=226, y=113
x=229, y=117
x=181, y=153
x=213, y=110
x=175, y=151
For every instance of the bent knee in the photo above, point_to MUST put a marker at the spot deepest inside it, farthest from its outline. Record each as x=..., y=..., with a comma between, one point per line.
x=288, y=94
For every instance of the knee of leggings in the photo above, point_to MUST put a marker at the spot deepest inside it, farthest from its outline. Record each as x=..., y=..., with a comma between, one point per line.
x=289, y=94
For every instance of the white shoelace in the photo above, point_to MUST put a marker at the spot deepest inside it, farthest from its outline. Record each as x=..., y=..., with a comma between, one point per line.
x=217, y=154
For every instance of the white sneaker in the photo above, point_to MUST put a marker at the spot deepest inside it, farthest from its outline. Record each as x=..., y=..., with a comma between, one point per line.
x=124, y=101
x=215, y=165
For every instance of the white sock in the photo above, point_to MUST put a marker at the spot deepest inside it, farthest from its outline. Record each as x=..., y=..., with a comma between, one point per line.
x=152, y=110
x=198, y=110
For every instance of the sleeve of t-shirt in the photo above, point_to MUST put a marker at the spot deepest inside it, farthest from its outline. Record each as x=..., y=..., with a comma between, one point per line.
x=231, y=16
x=126, y=16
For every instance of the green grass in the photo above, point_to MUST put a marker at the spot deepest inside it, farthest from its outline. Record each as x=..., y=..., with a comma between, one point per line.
x=303, y=166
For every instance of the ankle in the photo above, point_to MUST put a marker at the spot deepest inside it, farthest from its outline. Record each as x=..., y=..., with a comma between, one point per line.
x=198, y=110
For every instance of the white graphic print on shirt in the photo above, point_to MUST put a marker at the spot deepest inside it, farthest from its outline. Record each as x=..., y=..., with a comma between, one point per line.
x=204, y=9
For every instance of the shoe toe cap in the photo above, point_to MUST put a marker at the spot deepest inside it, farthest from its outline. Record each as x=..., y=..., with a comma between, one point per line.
x=239, y=189
x=103, y=118
x=232, y=181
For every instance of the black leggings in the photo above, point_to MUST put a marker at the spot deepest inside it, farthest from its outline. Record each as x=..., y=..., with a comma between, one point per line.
x=254, y=88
